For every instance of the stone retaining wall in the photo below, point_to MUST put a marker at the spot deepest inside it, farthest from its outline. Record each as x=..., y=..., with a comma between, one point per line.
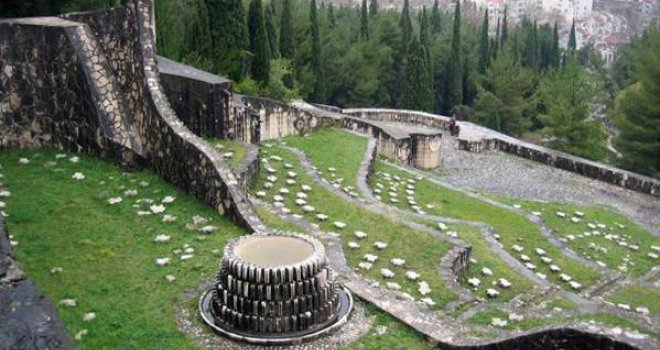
x=248, y=171
x=200, y=99
x=481, y=139
x=277, y=119
x=177, y=154
x=57, y=91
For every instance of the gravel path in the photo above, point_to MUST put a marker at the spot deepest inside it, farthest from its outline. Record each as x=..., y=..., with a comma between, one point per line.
x=503, y=174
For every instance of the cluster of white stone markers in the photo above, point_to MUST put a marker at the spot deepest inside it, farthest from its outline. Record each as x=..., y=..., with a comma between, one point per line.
x=369, y=259
x=395, y=183
x=597, y=232
x=225, y=153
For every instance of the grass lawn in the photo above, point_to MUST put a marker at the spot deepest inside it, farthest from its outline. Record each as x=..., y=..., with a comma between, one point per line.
x=107, y=252
x=512, y=227
x=333, y=148
x=485, y=258
x=485, y=318
x=421, y=251
x=233, y=151
x=612, y=239
x=396, y=335
x=637, y=296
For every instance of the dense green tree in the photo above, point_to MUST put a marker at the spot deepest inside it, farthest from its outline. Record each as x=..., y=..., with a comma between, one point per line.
x=228, y=36
x=373, y=8
x=259, y=45
x=484, y=55
x=271, y=32
x=364, y=21
x=505, y=27
x=505, y=101
x=556, y=50
x=331, y=16
x=286, y=31
x=637, y=112
x=530, y=54
x=495, y=42
x=572, y=41
x=436, y=19
x=454, y=72
x=405, y=23
x=169, y=41
x=318, y=92
x=418, y=89
x=564, y=95
x=198, y=37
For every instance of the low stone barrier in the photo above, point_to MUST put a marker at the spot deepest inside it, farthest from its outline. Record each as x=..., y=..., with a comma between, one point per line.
x=201, y=100
x=481, y=139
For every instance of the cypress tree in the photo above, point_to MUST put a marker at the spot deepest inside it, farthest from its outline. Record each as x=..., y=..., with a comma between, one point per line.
x=555, y=52
x=505, y=29
x=228, y=36
x=198, y=34
x=454, y=67
x=259, y=45
x=331, y=16
x=424, y=29
x=530, y=51
x=406, y=27
x=373, y=8
x=317, y=94
x=271, y=32
x=286, y=31
x=425, y=42
x=364, y=22
x=483, y=47
x=436, y=22
x=417, y=92
x=495, y=44
x=572, y=41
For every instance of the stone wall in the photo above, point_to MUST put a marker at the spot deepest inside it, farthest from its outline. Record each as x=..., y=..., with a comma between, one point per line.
x=277, y=119
x=57, y=90
x=176, y=153
x=398, y=149
x=200, y=99
x=475, y=138
x=400, y=116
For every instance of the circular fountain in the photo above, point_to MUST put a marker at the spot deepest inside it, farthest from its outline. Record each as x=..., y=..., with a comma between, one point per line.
x=275, y=289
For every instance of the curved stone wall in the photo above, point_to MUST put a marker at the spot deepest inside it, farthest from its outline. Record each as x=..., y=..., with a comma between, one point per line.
x=177, y=154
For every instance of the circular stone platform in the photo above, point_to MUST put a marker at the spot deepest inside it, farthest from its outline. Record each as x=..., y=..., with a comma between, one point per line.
x=275, y=289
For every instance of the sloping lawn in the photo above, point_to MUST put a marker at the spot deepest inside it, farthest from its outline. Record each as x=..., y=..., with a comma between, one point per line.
x=107, y=252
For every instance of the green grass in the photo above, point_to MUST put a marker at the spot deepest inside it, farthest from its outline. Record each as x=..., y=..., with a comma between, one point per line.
x=637, y=296
x=512, y=227
x=275, y=222
x=397, y=335
x=485, y=318
x=597, y=247
x=333, y=148
x=421, y=251
x=225, y=146
x=107, y=251
x=485, y=258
